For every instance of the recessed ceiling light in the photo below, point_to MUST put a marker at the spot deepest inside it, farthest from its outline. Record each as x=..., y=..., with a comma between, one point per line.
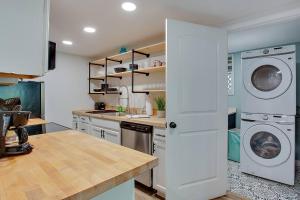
x=89, y=29
x=67, y=42
x=128, y=6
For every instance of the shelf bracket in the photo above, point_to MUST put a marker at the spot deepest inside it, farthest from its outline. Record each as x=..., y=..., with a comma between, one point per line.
x=146, y=73
x=96, y=64
x=113, y=60
x=111, y=76
x=96, y=93
x=133, y=72
x=139, y=52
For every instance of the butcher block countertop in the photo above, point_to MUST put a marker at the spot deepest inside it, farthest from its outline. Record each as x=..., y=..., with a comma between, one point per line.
x=36, y=121
x=69, y=165
x=152, y=121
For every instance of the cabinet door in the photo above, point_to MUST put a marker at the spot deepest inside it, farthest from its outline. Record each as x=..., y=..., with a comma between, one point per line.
x=24, y=36
x=75, y=122
x=83, y=127
x=159, y=176
x=112, y=136
x=96, y=131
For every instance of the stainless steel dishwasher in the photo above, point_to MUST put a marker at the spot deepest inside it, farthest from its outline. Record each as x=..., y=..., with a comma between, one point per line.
x=138, y=137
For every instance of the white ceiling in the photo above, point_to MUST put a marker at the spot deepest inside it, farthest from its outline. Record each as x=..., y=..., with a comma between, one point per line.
x=116, y=28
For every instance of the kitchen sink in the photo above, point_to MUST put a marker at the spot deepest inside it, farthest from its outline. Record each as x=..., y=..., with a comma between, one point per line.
x=102, y=112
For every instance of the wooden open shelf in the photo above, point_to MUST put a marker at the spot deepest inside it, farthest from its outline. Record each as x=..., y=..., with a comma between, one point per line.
x=152, y=49
x=127, y=73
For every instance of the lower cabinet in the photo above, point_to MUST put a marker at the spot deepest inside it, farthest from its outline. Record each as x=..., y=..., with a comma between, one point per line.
x=83, y=127
x=159, y=148
x=112, y=136
x=75, y=122
x=106, y=134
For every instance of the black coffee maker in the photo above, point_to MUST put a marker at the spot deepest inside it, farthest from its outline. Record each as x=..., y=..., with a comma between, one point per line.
x=14, y=121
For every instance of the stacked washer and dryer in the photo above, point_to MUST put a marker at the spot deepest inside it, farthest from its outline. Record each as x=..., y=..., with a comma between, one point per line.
x=268, y=104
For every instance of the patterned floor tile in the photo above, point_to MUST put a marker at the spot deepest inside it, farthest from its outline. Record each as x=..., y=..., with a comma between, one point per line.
x=257, y=188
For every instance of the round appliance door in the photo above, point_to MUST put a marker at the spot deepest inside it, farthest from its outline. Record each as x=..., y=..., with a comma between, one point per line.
x=267, y=78
x=266, y=145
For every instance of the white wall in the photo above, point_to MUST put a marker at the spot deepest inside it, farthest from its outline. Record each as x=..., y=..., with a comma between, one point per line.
x=66, y=89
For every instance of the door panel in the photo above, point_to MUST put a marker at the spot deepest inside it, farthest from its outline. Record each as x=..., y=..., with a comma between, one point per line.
x=197, y=103
x=190, y=68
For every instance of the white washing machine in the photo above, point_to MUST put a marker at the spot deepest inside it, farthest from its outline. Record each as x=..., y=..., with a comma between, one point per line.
x=268, y=146
x=269, y=81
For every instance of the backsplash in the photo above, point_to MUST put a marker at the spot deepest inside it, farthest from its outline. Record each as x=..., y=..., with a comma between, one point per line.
x=155, y=80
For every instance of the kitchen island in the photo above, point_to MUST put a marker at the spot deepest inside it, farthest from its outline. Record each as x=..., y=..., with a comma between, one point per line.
x=72, y=165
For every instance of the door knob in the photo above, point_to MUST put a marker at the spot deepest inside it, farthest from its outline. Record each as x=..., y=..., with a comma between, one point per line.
x=172, y=125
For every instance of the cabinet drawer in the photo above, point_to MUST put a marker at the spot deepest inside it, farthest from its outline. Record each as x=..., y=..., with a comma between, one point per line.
x=83, y=127
x=105, y=123
x=84, y=119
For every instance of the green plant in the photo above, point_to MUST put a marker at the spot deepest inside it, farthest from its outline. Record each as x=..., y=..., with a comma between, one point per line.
x=120, y=109
x=160, y=103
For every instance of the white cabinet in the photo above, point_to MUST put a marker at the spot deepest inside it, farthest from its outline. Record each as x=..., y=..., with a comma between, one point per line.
x=159, y=148
x=24, y=36
x=83, y=127
x=112, y=136
x=83, y=124
x=106, y=134
x=106, y=129
x=75, y=122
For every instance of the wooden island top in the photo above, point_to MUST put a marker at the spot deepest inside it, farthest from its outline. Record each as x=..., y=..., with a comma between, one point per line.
x=69, y=165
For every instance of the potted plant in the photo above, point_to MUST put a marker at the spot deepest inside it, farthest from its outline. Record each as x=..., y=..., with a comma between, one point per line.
x=161, y=107
x=120, y=110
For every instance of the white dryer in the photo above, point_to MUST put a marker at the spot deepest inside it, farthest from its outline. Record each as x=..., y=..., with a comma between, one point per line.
x=269, y=81
x=268, y=146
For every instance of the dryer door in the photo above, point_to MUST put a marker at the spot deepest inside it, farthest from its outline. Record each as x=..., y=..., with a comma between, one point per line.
x=266, y=145
x=266, y=78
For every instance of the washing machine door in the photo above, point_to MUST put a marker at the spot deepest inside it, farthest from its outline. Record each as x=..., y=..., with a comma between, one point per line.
x=266, y=145
x=266, y=78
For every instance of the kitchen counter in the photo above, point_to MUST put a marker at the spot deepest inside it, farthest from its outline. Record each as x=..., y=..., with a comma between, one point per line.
x=72, y=165
x=152, y=121
x=36, y=121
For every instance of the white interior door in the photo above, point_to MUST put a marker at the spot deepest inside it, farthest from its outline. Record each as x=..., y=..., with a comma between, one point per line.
x=196, y=150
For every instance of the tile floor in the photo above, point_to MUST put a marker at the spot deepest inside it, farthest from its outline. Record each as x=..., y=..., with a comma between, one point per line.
x=250, y=187
x=256, y=188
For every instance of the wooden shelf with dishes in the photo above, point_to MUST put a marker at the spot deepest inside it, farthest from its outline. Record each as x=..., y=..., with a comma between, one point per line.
x=128, y=73
x=125, y=57
x=151, y=49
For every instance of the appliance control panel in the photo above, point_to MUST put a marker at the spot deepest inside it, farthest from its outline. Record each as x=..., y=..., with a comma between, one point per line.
x=269, y=51
x=267, y=118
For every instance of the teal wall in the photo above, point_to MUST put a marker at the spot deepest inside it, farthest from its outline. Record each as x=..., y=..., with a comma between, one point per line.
x=29, y=93
x=235, y=100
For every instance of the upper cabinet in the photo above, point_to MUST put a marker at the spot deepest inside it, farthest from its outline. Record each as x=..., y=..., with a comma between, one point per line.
x=24, y=37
